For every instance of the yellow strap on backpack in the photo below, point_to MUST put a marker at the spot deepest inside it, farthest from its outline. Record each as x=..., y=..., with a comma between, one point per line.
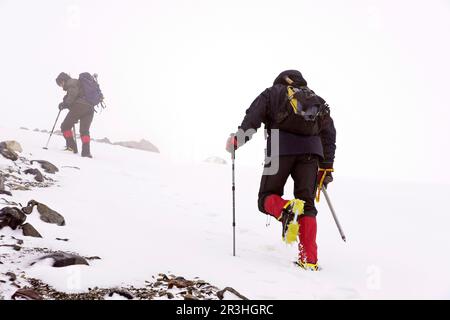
x=322, y=179
x=292, y=99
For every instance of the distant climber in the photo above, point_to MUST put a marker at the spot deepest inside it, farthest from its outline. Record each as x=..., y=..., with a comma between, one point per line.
x=82, y=96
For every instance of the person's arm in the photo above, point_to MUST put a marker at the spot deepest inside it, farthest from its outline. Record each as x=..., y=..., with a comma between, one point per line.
x=256, y=114
x=254, y=117
x=72, y=94
x=328, y=138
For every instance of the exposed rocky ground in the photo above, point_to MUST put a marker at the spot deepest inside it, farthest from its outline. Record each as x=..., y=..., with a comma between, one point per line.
x=17, y=254
x=143, y=144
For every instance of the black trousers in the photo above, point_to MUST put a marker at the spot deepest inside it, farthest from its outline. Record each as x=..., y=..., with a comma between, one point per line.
x=303, y=170
x=79, y=112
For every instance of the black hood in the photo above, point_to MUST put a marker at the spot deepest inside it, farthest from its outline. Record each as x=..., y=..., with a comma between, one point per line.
x=294, y=75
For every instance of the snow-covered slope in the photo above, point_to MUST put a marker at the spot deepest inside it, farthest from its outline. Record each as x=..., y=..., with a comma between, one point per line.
x=143, y=215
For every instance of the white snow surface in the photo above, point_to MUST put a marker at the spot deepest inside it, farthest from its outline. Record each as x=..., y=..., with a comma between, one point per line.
x=143, y=215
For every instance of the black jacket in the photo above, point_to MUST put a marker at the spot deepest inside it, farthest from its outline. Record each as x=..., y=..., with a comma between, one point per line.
x=271, y=102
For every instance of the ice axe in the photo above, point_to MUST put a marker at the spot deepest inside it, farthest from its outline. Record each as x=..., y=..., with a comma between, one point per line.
x=53, y=129
x=325, y=193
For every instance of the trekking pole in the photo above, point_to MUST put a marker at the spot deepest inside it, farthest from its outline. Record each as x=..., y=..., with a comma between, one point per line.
x=233, y=188
x=53, y=129
x=75, y=137
x=324, y=190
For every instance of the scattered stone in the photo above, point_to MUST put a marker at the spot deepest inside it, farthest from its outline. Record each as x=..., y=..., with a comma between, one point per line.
x=24, y=128
x=221, y=293
x=71, y=167
x=188, y=296
x=27, y=294
x=29, y=231
x=19, y=241
x=9, y=203
x=12, y=276
x=12, y=145
x=180, y=283
x=49, y=215
x=11, y=217
x=92, y=258
x=36, y=130
x=47, y=166
x=28, y=209
x=8, y=154
x=121, y=292
x=63, y=259
x=37, y=174
x=60, y=239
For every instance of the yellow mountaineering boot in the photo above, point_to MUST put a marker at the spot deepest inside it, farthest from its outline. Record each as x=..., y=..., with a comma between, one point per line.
x=289, y=219
x=308, y=266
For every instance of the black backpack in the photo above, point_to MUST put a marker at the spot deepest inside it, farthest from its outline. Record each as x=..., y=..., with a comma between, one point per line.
x=302, y=112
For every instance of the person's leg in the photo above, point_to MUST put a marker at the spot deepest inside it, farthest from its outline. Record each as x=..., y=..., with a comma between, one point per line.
x=66, y=128
x=85, y=124
x=305, y=177
x=271, y=188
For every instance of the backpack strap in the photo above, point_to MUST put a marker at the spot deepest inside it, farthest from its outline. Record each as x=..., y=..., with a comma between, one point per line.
x=292, y=99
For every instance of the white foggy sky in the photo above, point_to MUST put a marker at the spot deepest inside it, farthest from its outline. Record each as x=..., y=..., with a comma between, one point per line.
x=182, y=73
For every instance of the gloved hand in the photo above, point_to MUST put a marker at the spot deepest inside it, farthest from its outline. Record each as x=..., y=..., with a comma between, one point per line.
x=61, y=106
x=324, y=177
x=232, y=143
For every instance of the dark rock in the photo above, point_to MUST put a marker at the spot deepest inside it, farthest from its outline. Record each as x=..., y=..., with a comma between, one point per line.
x=188, y=296
x=11, y=217
x=29, y=231
x=92, y=258
x=60, y=239
x=36, y=130
x=37, y=174
x=8, y=154
x=47, y=166
x=180, y=283
x=12, y=276
x=221, y=293
x=49, y=215
x=24, y=128
x=27, y=294
x=6, y=192
x=121, y=292
x=28, y=209
x=63, y=259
